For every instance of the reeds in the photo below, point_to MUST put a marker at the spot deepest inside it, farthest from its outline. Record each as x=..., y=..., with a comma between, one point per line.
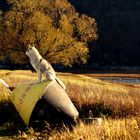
x=117, y=104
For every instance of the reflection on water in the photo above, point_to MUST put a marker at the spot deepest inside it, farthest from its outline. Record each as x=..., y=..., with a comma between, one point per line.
x=122, y=80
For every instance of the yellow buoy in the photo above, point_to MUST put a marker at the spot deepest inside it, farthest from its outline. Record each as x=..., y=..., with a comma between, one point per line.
x=25, y=97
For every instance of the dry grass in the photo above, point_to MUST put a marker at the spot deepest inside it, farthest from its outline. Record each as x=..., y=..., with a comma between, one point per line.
x=117, y=104
x=126, y=129
x=115, y=100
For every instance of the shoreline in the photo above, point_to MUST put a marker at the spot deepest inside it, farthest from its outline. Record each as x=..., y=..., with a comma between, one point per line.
x=123, y=75
x=107, y=73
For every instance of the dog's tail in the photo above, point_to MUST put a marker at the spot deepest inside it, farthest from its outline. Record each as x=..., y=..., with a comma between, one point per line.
x=60, y=83
x=6, y=85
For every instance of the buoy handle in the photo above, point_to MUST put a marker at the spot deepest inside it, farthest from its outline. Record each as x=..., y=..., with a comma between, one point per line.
x=6, y=85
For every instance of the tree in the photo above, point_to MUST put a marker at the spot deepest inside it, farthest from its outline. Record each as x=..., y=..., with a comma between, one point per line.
x=60, y=33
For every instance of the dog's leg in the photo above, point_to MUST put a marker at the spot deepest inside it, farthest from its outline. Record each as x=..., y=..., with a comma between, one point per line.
x=53, y=77
x=39, y=76
x=49, y=76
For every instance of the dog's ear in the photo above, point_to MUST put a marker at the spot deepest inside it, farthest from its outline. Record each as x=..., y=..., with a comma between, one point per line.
x=33, y=45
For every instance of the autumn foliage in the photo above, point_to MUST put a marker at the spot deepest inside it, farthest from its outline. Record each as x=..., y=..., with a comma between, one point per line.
x=57, y=30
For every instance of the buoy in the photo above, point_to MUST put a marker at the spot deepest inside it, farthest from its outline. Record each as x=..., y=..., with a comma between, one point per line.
x=26, y=98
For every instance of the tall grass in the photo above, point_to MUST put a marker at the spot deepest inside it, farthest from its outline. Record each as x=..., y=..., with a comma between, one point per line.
x=117, y=104
x=110, y=99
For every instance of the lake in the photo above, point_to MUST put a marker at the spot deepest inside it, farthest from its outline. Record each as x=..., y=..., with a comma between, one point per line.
x=122, y=80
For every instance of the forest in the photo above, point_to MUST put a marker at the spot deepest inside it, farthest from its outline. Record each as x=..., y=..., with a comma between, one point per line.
x=115, y=34
x=59, y=32
x=118, y=24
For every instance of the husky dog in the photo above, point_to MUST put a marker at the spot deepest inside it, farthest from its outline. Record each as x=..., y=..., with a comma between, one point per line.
x=42, y=66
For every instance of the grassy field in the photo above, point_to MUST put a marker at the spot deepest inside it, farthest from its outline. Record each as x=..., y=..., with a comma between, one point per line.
x=117, y=104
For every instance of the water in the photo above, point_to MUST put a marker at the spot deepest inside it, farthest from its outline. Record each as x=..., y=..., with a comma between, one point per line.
x=122, y=80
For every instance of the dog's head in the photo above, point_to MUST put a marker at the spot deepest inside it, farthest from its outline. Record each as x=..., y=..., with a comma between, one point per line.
x=31, y=51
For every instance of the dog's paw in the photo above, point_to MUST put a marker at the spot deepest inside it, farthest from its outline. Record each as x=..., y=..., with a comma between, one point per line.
x=45, y=80
x=37, y=82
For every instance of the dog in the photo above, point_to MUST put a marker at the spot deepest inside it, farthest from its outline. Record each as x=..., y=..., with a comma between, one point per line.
x=42, y=66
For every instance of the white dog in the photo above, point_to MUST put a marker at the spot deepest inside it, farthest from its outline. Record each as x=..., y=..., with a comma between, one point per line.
x=42, y=66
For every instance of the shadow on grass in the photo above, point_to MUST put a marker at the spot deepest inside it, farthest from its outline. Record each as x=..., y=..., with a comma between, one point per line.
x=97, y=109
x=100, y=109
x=10, y=122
